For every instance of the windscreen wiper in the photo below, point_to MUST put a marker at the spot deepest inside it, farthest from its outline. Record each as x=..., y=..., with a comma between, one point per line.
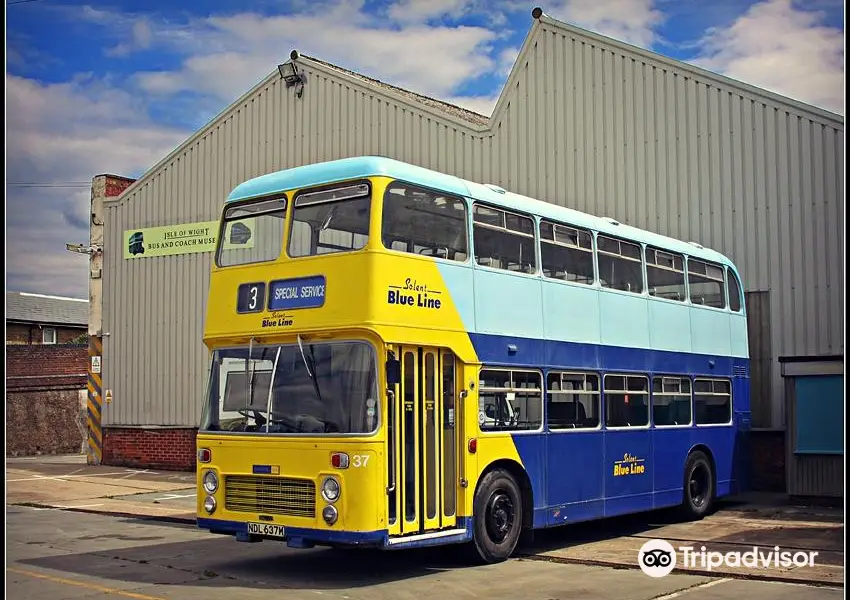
x=307, y=366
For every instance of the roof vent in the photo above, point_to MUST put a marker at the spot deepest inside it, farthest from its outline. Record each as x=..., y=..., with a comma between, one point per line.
x=536, y=12
x=698, y=245
x=495, y=188
x=612, y=220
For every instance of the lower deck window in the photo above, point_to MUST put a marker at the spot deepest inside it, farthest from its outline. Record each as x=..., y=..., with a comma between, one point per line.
x=712, y=401
x=626, y=401
x=509, y=400
x=573, y=400
x=671, y=401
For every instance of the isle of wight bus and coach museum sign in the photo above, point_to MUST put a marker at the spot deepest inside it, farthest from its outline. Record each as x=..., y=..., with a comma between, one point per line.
x=186, y=238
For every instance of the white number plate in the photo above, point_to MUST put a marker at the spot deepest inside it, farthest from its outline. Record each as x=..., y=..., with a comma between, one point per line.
x=269, y=529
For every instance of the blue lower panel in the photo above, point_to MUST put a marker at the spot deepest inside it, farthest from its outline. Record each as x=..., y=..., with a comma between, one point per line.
x=537, y=353
x=299, y=536
x=584, y=475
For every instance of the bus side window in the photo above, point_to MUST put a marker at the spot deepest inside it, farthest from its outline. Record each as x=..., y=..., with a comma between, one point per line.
x=503, y=240
x=566, y=253
x=626, y=400
x=509, y=400
x=573, y=400
x=424, y=222
x=619, y=264
x=705, y=281
x=665, y=274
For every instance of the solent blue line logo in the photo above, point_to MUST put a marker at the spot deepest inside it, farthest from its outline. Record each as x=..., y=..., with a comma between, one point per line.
x=291, y=294
x=413, y=294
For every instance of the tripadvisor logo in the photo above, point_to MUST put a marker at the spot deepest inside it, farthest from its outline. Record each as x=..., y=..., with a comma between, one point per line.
x=658, y=558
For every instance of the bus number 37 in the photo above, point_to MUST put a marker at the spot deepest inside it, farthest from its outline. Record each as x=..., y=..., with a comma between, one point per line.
x=359, y=460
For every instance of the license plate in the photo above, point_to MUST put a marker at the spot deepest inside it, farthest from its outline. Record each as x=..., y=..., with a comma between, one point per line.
x=268, y=529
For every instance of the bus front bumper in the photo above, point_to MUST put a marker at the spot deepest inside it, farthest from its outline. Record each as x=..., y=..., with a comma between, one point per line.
x=298, y=537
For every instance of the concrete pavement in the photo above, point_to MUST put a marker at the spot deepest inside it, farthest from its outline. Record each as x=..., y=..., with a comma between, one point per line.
x=66, y=483
x=60, y=555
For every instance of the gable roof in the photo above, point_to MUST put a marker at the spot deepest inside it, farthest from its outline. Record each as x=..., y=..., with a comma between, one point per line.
x=480, y=123
x=47, y=310
x=445, y=107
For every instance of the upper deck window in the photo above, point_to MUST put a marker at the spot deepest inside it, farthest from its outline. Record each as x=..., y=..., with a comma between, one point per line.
x=503, y=240
x=424, y=222
x=705, y=281
x=619, y=264
x=253, y=232
x=566, y=252
x=665, y=274
x=331, y=219
x=734, y=291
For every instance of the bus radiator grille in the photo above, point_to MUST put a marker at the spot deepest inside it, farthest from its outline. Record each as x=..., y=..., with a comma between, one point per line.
x=270, y=495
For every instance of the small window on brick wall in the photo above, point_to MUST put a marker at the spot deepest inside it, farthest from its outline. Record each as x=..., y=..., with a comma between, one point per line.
x=48, y=335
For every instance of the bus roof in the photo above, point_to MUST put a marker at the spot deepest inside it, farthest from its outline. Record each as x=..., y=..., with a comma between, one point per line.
x=370, y=166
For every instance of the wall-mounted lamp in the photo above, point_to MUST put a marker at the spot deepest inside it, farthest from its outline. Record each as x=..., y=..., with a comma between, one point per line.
x=291, y=75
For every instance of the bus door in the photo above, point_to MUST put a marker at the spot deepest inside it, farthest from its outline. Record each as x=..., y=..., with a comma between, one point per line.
x=422, y=442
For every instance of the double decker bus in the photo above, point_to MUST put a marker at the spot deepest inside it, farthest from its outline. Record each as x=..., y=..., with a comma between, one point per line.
x=402, y=358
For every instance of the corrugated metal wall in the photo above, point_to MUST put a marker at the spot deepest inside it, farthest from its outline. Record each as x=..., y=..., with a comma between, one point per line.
x=583, y=122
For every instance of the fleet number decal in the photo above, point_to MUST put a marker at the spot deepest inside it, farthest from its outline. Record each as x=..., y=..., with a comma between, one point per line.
x=359, y=460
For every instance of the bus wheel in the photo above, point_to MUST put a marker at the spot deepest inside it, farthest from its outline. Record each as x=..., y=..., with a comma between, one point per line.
x=699, y=486
x=498, y=516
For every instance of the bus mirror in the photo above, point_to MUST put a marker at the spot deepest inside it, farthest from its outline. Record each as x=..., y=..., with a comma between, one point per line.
x=393, y=371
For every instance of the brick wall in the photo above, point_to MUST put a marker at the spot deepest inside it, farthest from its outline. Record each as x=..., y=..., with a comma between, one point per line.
x=43, y=398
x=167, y=449
x=768, y=461
x=46, y=367
x=20, y=333
x=43, y=422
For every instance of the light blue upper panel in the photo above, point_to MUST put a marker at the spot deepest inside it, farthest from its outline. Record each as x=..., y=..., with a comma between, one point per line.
x=571, y=312
x=343, y=170
x=669, y=325
x=507, y=304
x=624, y=319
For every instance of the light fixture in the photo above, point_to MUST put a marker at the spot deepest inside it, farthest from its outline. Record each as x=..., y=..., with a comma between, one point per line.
x=291, y=75
x=83, y=249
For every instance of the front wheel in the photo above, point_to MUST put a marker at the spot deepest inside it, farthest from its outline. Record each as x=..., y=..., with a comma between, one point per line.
x=699, y=487
x=498, y=516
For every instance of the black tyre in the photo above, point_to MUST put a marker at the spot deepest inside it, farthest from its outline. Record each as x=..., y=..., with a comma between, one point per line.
x=498, y=516
x=699, y=487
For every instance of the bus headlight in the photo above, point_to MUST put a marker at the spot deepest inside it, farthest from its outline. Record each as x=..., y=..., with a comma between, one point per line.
x=330, y=489
x=330, y=514
x=210, y=482
x=209, y=504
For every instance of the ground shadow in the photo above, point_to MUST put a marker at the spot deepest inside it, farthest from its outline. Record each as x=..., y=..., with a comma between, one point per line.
x=221, y=561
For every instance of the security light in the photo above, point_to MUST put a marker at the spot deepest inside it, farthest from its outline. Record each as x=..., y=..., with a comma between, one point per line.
x=291, y=75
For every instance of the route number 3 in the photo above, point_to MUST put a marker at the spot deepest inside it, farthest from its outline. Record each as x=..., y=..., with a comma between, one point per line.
x=250, y=297
x=359, y=460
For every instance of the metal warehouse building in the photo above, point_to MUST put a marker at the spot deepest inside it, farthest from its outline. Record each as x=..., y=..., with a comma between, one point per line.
x=583, y=121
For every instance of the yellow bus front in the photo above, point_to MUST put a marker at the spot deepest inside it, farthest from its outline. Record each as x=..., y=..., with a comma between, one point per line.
x=310, y=470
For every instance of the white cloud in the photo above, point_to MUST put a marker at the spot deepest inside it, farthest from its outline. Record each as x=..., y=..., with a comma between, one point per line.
x=225, y=56
x=67, y=132
x=783, y=49
x=631, y=21
x=422, y=11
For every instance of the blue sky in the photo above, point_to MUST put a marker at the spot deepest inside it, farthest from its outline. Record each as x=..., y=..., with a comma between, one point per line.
x=113, y=86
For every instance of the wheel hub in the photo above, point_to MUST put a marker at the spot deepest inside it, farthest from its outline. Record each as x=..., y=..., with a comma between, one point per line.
x=500, y=516
x=698, y=486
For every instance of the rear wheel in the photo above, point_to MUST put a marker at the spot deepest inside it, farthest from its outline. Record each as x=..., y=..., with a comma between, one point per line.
x=498, y=516
x=699, y=486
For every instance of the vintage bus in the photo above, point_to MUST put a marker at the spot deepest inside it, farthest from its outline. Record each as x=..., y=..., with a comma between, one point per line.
x=402, y=358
